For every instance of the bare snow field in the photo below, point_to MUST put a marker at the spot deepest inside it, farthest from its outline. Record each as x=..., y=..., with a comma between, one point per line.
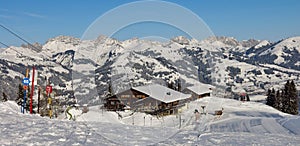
x=242, y=123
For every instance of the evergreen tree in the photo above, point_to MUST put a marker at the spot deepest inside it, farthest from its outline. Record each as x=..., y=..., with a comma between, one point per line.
x=179, y=86
x=20, y=96
x=4, y=98
x=248, y=98
x=110, y=92
x=286, y=98
x=169, y=85
x=290, y=99
x=294, y=100
x=278, y=102
x=34, y=103
x=271, y=98
x=268, y=97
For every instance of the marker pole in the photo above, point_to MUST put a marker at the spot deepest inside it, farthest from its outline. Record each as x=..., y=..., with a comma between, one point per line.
x=32, y=88
x=24, y=102
x=25, y=93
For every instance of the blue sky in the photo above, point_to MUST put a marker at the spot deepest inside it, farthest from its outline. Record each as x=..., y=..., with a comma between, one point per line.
x=37, y=21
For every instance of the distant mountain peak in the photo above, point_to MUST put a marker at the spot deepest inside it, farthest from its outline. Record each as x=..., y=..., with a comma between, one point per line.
x=181, y=40
x=102, y=39
x=231, y=41
x=65, y=39
x=262, y=44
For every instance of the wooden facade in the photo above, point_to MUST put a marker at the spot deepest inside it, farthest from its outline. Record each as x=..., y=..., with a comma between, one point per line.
x=195, y=95
x=113, y=104
x=139, y=101
x=124, y=99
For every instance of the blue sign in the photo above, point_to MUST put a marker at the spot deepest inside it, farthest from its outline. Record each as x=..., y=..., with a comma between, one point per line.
x=26, y=81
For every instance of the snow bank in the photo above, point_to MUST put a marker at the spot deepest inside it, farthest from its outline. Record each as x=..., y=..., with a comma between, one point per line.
x=242, y=123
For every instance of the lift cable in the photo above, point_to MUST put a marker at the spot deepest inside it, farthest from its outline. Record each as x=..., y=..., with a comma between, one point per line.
x=4, y=44
x=18, y=36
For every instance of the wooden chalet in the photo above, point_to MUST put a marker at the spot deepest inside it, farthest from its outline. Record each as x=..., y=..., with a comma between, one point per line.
x=153, y=99
x=198, y=91
x=113, y=104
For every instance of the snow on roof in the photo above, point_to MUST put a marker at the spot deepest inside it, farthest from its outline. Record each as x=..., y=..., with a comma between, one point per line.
x=238, y=90
x=258, y=97
x=162, y=93
x=200, y=89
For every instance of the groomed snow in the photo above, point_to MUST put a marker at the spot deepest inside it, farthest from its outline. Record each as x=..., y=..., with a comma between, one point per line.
x=242, y=123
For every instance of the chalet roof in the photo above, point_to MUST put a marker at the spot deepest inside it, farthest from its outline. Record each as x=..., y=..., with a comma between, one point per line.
x=162, y=93
x=200, y=89
x=238, y=90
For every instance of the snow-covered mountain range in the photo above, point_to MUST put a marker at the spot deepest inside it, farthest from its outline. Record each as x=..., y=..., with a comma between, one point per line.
x=88, y=67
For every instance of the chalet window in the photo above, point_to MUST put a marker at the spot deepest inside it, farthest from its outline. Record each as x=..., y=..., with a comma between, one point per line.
x=125, y=96
x=175, y=103
x=140, y=96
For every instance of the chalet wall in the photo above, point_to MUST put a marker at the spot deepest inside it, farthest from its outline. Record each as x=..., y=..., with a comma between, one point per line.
x=130, y=97
x=139, y=101
x=195, y=95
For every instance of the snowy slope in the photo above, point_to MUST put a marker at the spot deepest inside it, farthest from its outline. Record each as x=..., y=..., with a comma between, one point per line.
x=241, y=124
x=252, y=78
x=284, y=53
x=245, y=123
x=141, y=62
x=14, y=62
x=86, y=68
x=262, y=44
x=280, y=49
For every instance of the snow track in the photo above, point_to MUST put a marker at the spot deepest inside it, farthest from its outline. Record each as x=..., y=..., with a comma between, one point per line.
x=252, y=125
x=241, y=124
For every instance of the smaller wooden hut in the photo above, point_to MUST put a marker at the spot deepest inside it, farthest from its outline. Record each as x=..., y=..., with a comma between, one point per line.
x=199, y=91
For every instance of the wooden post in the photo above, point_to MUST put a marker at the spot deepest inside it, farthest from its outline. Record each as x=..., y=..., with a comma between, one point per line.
x=39, y=96
x=27, y=72
x=132, y=119
x=179, y=121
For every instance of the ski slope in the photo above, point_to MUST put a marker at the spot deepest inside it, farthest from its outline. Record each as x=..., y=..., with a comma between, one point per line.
x=242, y=123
